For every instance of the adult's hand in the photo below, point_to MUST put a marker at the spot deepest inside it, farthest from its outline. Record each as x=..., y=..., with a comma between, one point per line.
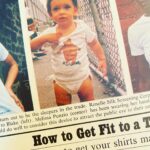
x=15, y=98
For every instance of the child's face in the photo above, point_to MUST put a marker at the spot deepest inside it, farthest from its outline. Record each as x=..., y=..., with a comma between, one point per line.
x=62, y=11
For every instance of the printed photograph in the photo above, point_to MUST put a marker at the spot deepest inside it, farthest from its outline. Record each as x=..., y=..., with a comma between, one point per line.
x=15, y=94
x=74, y=51
x=135, y=25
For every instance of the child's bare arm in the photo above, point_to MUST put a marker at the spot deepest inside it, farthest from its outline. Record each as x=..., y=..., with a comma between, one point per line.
x=39, y=41
x=12, y=74
x=99, y=52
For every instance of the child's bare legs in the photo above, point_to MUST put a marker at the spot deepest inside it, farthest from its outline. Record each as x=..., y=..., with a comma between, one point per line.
x=86, y=92
x=62, y=96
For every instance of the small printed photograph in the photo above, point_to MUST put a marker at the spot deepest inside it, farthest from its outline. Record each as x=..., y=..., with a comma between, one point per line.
x=15, y=94
x=135, y=23
x=74, y=51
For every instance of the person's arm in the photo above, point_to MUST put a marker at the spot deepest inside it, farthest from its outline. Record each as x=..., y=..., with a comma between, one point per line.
x=143, y=71
x=12, y=74
x=141, y=57
x=143, y=64
x=39, y=41
x=99, y=52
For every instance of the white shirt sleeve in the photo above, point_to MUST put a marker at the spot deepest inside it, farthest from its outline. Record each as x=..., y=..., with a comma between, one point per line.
x=89, y=34
x=134, y=42
x=3, y=53
x=146, y=46
x=49, y=30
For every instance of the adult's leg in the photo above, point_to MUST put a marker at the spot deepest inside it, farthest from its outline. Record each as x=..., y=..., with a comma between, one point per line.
x=86, y=92
x=61, y=95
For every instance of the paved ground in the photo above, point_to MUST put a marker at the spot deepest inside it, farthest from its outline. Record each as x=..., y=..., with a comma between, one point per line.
x=43, y=74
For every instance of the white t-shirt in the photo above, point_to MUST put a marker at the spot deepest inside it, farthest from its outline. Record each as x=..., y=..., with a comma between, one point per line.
x=139, y=37
x=66, y=71
x=3, y=52
x=7, y=104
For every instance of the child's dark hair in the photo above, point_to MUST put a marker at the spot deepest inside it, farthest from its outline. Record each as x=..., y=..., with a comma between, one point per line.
x=75, y=3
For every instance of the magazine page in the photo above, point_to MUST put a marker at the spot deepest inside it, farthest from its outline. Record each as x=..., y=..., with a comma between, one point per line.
x=74, y=75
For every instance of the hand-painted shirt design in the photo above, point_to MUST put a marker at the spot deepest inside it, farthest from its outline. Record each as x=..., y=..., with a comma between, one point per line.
x=64, y=66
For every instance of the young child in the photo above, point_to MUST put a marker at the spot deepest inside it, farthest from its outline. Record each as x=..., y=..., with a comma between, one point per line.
x=70, y=39
x=9, y=102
